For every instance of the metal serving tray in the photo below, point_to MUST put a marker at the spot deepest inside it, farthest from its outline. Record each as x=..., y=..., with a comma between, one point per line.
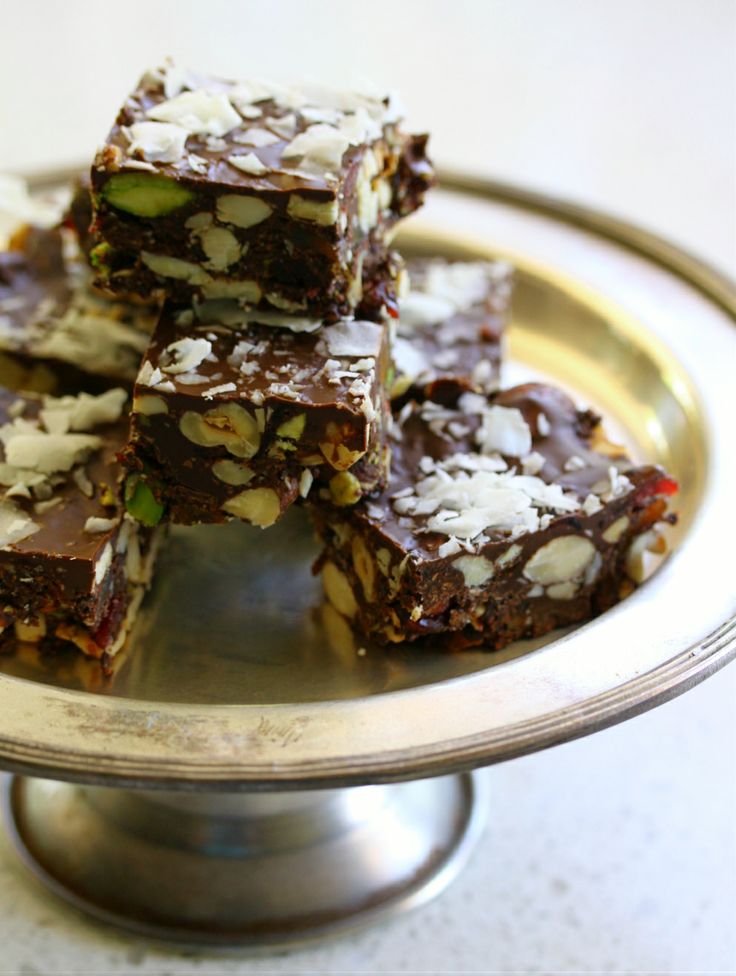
x=238, y=679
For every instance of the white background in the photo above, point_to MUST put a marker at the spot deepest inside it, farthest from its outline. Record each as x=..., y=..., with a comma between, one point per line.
x=612, y=854
x=625, y=104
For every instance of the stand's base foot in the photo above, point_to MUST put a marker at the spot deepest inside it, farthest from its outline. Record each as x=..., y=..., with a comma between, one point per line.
x=258, y=869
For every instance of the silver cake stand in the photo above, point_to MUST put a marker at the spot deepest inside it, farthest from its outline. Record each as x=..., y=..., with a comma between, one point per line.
x=252, y=774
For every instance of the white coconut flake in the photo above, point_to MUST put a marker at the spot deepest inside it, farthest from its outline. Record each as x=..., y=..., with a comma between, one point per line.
x=190, y=379
x=175, y=78
x=591, y=504
x=40, y=508
x=533, y=463
x=83, y=412
x=620, y=484
x=198, y=163
x=256, y=137
x=215, y=144
x=504, y=429
x=48, y=453
x=83, y=482
x=409, y=360
x=96, y=524
x=222, y=388
x=305, y=482
x=15, y=525
x=352, y=339
x=284, y=127
x=103, y=563
x=574, y=463
x=419, y=310
x=185, y=355
x=461, y=283
x=449, y=548
x=145, y=374
x=248, y=163
x=322, y=144
x=158, y=142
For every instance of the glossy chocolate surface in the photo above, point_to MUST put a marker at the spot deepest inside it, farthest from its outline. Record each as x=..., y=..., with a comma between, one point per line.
x=479, y=586
x=292, y=256
x=311, y=407
x=55, y=566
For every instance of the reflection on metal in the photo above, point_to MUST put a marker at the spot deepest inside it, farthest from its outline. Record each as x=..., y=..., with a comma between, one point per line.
x=258, y=869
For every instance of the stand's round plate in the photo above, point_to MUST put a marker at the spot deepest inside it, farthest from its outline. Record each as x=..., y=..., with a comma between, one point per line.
x=237, y=678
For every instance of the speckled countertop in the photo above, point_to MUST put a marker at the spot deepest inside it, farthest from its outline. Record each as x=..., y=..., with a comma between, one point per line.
x=612, y=854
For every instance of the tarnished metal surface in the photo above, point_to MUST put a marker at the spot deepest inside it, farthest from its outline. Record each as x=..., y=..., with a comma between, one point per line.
x=236, y=679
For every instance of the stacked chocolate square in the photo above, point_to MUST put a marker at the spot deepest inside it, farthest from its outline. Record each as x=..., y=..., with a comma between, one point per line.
x=247, y=228
x=264, y=215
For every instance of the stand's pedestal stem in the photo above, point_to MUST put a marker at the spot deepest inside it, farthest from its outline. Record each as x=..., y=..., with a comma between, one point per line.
x=245, y=868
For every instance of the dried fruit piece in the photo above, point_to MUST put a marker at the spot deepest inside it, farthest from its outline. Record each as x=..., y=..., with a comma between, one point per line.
x=145, y=195
x=99, y=258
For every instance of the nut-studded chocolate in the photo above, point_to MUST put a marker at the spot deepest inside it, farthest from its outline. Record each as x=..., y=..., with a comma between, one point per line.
x=73, y=566
x=283, y=198
x=236, y=413
x=450, y=329
x=501, y=520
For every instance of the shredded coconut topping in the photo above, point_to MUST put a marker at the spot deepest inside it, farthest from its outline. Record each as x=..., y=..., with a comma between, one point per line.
x=39, y=451
x=198, y=112
x=332, y=121
x=465, y=496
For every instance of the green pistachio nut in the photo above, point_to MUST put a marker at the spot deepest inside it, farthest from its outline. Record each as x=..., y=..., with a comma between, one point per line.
x=141, y=503
x=99, y=258
x=145, y=194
